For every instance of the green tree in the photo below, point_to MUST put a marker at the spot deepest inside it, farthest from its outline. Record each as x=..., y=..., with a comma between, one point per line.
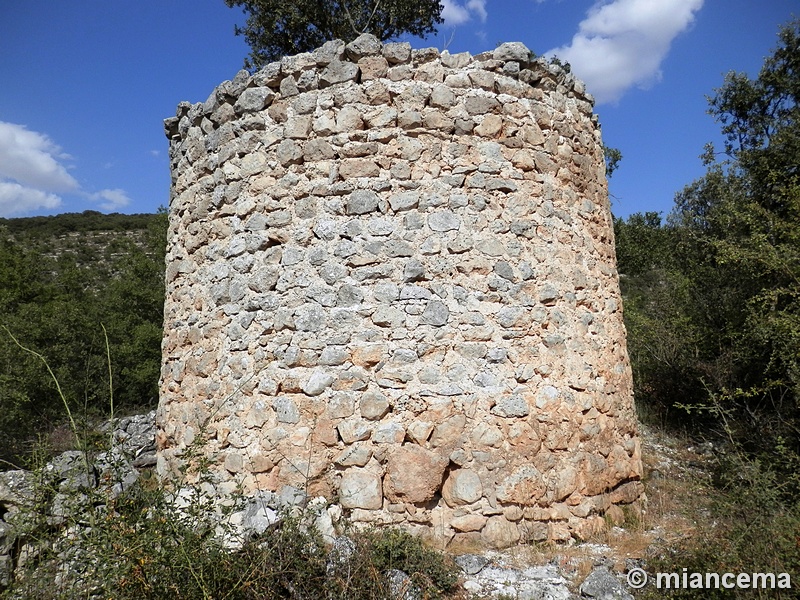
x=60, y=284
x=276, y=28
x=725, y=297
x=743, y=220
x=612, y=156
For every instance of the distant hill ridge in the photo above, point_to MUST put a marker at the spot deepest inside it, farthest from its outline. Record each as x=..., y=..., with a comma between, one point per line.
x=83, y=222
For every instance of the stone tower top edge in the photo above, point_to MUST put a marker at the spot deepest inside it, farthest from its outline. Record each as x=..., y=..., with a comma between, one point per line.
x=362, y=60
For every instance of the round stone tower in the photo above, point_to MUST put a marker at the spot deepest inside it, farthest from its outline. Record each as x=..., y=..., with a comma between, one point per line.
x=391, y=282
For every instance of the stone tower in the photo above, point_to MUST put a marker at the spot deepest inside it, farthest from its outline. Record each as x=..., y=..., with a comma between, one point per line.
x=391, y=282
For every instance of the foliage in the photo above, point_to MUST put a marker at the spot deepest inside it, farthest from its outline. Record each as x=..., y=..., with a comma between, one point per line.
x=562, y=64
x=61, y=278
x=88, y=221
x=713, y=296
x=394, y=549
x=192, y=550
x=275, y=28
x=712, y=307
x=663, y=337
x=612, y=156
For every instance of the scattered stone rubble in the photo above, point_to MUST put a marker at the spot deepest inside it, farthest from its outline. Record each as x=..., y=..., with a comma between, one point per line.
x=74, y=475
x=391, y=280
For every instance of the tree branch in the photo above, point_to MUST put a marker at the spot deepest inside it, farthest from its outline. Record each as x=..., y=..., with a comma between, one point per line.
x=372, y=16
x=350, y=18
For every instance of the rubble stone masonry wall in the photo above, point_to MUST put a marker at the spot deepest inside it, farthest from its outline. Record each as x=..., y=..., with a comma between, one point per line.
x=391, y=282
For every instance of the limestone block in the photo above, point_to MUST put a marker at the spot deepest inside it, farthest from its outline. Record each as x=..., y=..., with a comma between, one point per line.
x=354, y=430
x=334, y=356
x=359, y=167
x=385, y=316
x=413, y=474
x=513, y=51
x=356, y=455
x=523, y=486
x=430, y=72
x=373, y=406
x=260, y=463
x=442, y=96
x=533, y=531
x=349, y=119
x=482, y=79
x=361, y=202
x=286, y=410
x=253, y=100
x=329, y=52
x=499, y=533
x=490, y=126
x=400, y=72
x=341, y=405
x=437, y=120
x=408, y=119
x=360, y=488
x=436, y=313
x=481, y=105
x=486, y=435
x=627, y=492
x=325, y=124
x=369, y=355
x=234, y=462
x=397, y=52
x=288, y=87
x=448, y=432
x=317, y=382
x=338, y=72
x=291, y=65
x=373, y=67
x=298, y=127
x=444, y=220
x=364, y=45
x=455, y=61
x=470, y=522
x=377, y=93
x=389, y=433
x=462, y=486
x=419, y=431
x=289, y=152
x=381, y=117
x=269, y=75
x=514, y=406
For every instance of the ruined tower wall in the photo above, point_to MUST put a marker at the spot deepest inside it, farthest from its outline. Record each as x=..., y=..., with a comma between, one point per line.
x=391, y=282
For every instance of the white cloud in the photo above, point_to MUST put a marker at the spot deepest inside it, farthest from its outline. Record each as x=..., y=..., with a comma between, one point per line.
x=17, y=199
x=33, y=174
x=622, y=43
x=114, y=199
x=455, y=13
x=32, y=159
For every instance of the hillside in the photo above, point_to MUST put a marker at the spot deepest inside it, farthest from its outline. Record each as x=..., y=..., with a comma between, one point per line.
x=62, y=280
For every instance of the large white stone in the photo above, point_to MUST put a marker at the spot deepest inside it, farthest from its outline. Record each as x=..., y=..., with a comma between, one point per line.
x=360, y=488
x=462, y=486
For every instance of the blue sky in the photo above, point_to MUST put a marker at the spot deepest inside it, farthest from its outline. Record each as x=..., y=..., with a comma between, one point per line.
x=85, y=85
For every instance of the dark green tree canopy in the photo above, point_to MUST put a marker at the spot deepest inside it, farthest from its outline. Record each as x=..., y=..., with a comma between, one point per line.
x=277, y=28
x=712, y=299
